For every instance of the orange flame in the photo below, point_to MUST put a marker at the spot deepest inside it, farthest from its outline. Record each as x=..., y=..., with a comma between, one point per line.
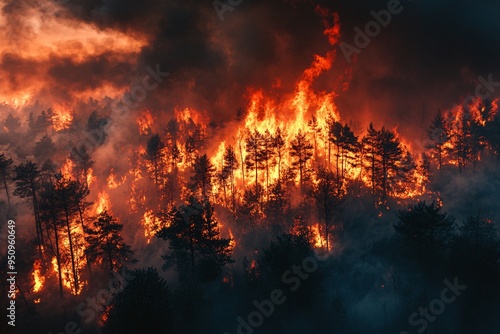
x=145, y=122
x=37, y=276
x=103, y=203
x=61, y=118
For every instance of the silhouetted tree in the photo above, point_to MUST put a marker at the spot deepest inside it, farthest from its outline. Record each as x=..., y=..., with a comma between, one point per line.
x=328, y=194
x=194, y=142
x=145, y=303
x=105, y=244
x=5, y=173
x=195, y=241
x=277, y=207
x=390, y=156
x=154, y=154
x=426, y=228
x=27, y=184
x=477, y=247
x=12, y=123
x=349, y=148
x=438, y=135
x=83, y=162
x=279, y=146
x=268, y=154
x=254, y=159
x=492, y=130
x=44, y=120
x=52, y=217
x=44, y=149
x=230, y=165
x=370, y=154
x=203, y=172
x=301, y=152
x=315, y=130
x=336, y=136
x=280, y=267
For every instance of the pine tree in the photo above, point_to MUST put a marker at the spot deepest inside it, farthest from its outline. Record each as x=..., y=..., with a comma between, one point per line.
x=194, y=143
x=328, y=194
x=51, y=216
x=83, y=162
x=105, y=244
x=203, y=172
x=154, y=154
x=438, y=135
x=279, y=146
x=44, y=120
x=336, y=137
x=301, y=152
x=371, y=158
x=349, y=148
x=426, y=228
x=5, y=173
x=27, y=184
x=44, y=149
x=12, y=123
x=230, y=165
x=254, y=159
x=195, y=241
x=268, y=154
x=390, y=156
x=314, y=129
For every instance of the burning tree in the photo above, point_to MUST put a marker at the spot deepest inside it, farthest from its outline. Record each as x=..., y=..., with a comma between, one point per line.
x=230, y=165
x=105, y=244
x=83, y=162
x=203, y=172
x=301, y=151
x=328, y=193
x=5, y=172
x=438, y=135
x=154, y=154
x=197, y=248
x=254, y=159
x=27, y=184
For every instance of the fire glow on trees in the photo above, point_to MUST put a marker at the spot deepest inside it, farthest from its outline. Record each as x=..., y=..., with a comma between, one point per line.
x=279, y=142
x=38, y=278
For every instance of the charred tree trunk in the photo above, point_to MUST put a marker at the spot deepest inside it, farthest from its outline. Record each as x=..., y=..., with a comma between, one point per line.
x=72, y=253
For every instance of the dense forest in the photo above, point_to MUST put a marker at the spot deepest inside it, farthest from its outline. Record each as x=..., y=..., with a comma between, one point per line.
x=351, y=232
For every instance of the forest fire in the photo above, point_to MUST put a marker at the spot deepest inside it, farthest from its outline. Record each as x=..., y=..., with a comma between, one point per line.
x=236, y=159
x=318, y=238
x=38, y=279
x=61, y=118
x=112, y=181
x=145, y=122
x=102, y=203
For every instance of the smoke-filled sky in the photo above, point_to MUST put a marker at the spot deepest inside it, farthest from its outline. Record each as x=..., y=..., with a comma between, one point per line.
x=428, y=57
